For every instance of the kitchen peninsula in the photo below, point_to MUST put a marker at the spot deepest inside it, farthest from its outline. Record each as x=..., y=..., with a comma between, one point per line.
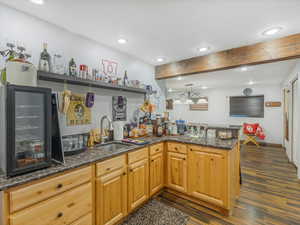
x=123, y=177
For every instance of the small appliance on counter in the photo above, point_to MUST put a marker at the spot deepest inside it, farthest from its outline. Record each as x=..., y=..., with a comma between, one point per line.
x=74, y=144
x=118, y=130
x=25, y=123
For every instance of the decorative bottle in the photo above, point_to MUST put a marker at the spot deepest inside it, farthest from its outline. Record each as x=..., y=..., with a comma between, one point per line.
x=125, y=80
x=45, y=60
x=72, y=68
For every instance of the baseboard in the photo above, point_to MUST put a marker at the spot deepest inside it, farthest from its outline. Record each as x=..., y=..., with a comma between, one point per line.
x=264, y=144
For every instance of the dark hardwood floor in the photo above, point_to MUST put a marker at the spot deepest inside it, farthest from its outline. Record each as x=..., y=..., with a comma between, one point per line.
x=270, y=193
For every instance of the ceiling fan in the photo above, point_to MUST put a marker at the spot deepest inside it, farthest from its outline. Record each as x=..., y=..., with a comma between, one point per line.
x=191, y=95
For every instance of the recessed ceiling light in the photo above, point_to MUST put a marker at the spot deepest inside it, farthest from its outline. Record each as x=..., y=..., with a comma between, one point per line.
x=160, y=59
x=250, y=82
x=170, y=90
x=244, y=68
x=38, y=2
x=204, y=87
x=122, y=41
x=272, y=31
x=179, y=78
x=203, y=49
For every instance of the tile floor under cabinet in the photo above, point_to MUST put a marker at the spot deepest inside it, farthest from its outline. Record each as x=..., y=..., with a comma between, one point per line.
x=157, y=213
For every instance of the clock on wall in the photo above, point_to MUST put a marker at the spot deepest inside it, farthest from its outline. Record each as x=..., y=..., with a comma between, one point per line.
x=247, y=91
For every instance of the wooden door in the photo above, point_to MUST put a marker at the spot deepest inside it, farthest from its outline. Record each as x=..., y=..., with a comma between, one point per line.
x=138, y=184
x=156, y=173
x=111, y=197
x=208, y=176
x=177, y=171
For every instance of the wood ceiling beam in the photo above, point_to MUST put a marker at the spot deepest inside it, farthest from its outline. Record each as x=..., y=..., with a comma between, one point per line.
x=265, y=52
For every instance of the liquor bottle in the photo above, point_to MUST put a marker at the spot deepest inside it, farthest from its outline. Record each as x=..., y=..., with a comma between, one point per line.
x=159, y=127
x=72, y=68
x=45, y=60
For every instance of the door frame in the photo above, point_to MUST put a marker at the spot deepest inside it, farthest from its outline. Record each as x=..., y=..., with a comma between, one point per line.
x=293, y=118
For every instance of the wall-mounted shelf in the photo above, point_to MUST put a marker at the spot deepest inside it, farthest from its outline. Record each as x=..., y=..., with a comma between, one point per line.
x=46, y=76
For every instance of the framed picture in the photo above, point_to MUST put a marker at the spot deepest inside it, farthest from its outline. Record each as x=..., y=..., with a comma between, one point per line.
x=109, y=68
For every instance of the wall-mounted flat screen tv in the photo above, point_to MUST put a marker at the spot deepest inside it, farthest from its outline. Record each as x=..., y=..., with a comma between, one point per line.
x=247, y=106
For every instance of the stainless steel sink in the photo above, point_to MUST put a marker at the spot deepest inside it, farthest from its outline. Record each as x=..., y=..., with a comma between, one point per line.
x=112, y=146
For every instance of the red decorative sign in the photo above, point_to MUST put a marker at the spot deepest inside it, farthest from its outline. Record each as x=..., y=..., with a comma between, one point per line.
x=109, y=67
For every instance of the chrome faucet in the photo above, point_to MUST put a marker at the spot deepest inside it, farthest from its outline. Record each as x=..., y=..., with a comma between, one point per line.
x=102, y=136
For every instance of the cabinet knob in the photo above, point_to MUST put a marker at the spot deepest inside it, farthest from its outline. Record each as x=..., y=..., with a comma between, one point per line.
x=157, y=150
x=107, y=169
x=124, y=174
x=183, y=158
x=59, y=186
x=152, y=160
x=60, y=215
x=131, y=170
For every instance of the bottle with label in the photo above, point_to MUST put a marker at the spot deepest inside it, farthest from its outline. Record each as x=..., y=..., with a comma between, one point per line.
x=159, y=127
x=45, y=60
x=72, y=68
x=125, y=79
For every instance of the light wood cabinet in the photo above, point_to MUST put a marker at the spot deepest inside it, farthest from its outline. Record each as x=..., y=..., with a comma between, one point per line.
x=59, y=210
x=177, y=171
x=38, y=191
x=86, y=220
x=156, y=173
x=138, y=155
x=110, y=165
x=138, y=184
x=107, y=191
x=157, y=148
x=207, y=170
x=177, y=147
x=111, y=197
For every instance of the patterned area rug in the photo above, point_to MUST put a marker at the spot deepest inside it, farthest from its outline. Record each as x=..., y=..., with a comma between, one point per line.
x=157, y=213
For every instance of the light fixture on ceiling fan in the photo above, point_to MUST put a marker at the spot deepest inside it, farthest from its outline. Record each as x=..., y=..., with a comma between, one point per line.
x=192, y=96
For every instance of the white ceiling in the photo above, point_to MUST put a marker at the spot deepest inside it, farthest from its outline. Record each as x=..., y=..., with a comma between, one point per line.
x=173, y=29
x=264, y=74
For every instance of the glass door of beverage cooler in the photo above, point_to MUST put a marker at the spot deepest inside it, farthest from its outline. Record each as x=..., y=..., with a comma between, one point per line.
x=29, y=121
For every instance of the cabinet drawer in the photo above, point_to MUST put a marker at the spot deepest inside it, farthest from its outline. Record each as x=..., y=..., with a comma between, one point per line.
x=157, y=148
x=111, y=165
x=59, y=210
x=177, y=147
x=137, y=155
x=34, y=193
x=86, y=220
x=205, y=149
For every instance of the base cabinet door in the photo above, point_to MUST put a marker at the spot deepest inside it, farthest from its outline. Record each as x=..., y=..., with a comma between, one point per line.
x=177, y=171
x=138, y=184
x=111, y=192
x=207, y=176
x=156, y=173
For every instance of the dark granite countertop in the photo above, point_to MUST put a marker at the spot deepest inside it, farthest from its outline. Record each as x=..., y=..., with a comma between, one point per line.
x=100, y=154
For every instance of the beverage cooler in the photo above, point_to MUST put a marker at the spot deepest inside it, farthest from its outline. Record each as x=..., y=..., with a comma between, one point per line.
x=25, y=129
